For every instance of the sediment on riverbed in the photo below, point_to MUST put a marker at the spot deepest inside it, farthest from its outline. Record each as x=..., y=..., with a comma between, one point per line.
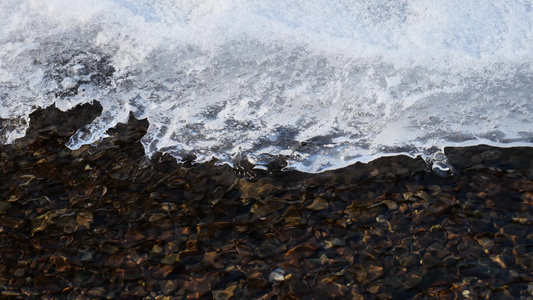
x=104, y=221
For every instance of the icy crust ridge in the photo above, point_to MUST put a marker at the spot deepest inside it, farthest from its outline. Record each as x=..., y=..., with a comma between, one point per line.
x=319, y=86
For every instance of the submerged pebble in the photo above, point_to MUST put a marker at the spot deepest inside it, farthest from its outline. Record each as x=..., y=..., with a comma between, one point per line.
x=102, y=222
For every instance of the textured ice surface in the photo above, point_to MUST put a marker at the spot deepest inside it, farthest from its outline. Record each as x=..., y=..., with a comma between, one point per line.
x=322, y=83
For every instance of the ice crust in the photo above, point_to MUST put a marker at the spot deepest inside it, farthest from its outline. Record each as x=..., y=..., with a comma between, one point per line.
x=322, y=83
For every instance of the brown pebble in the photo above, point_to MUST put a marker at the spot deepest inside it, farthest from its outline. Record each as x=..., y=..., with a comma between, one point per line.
x=97, y=292
x=19, y=272
x=319, y=203
x=199, y=285
x=133, y=237
x=4, y=206
x=46, y=283
x=168, y=286
x=84, y=219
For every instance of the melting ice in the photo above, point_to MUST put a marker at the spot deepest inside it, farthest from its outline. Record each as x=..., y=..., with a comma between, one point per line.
x=321, y=83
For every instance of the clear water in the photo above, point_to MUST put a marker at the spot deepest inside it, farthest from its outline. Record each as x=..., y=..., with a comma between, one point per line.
x=322, y=83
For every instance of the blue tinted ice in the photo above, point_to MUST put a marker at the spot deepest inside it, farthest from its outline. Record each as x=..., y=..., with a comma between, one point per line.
x=322, y=83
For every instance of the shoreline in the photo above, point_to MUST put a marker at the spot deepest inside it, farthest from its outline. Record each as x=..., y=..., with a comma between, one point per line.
x=106, y=222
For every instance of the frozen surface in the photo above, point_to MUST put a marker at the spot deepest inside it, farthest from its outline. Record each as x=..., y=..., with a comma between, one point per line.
x=322, y=83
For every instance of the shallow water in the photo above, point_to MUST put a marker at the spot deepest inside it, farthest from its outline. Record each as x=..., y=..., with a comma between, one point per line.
x=104, y=221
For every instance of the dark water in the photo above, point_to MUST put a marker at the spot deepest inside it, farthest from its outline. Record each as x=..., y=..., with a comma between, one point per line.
x=105, y=222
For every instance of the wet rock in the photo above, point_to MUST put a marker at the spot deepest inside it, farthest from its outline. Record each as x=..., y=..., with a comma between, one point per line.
x=374, y=271
x=133, y=237
x=298, y=289
x=301, y=251
x=513, y=229
x=277, y=275
x=374, y=288
x=499, y=260
x=198, y=285
x=359, y=273
x=11, y=294
x=490, y=155
x=318, y=204
x=168, y=286
x=266, y=251
x=264, y=208
x=525, y=260
x=170, y=259
x=392, y=205
x=408, y=260
x=84, y=219
x=257, y=280
x=438, y=232
x=334, y=242
x=107, y=217
x=46, y=283
x=261, y=188
x=4, y=206
x=160, y=272
x=486, y=243
x=413, y=277
x=136, y=292
x=19, y=272
x=225, y=294
x=333, y=289
x=430, y=261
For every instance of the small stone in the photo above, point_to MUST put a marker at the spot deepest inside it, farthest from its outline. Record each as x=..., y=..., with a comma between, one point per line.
x=136, y=292
x=170, y=259
x=4, y=206
x=226, y=294
x=381, y=219
x=267, y=206
x=490, y=155
x=277, y=275
x=133, y=237
x=22, y=263
x=498, y=259
x=156, y=249
x=84, y=219
x=28, y=291
x=97, y=292
x=156, y=217
x=168, y=286
x=334, y=242
x=199, y=285
x=530, y=288
x=19, y=272
x=256, y=280
x=333, y=289
x=46, y=283
x=373, y=289
x=318, y=204
x=375, y=271
x=486, y=243
x=392, y=205
x=221, y=295
x=409, y=260
x=258, y=266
